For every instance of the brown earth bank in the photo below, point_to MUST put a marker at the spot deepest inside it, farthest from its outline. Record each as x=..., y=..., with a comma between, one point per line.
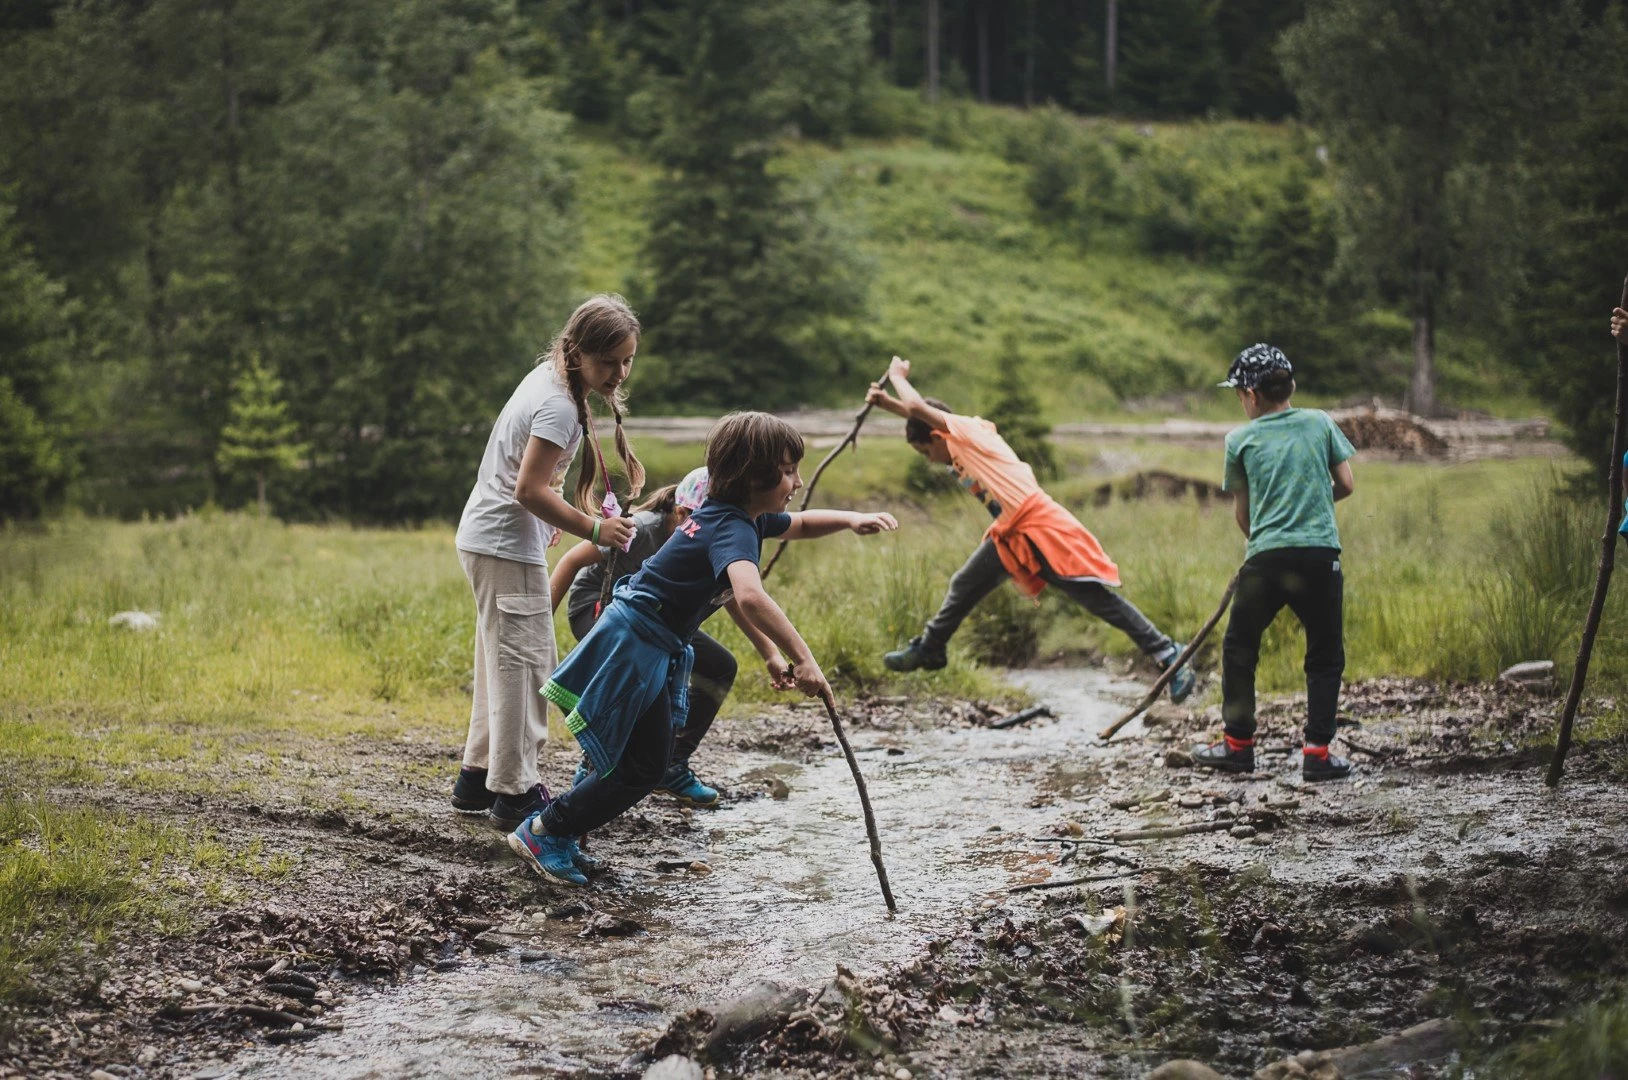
x=1230, y=919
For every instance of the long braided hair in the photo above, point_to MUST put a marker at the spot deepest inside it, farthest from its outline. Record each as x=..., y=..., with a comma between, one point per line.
x=598, y=325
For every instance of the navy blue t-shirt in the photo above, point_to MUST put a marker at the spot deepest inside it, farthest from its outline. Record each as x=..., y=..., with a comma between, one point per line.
x=689, y=575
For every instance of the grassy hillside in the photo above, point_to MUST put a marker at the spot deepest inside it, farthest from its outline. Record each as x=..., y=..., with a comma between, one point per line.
x=965, y=270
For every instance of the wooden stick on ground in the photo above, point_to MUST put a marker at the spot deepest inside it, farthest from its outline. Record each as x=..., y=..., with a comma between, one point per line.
x=864, y=800
x=1602, y=577
x=1066, y=882
x=1170, y=672
x=850, y=439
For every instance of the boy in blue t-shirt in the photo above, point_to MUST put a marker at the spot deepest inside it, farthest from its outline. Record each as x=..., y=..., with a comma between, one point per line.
x=1285, y=469
x=624, y=686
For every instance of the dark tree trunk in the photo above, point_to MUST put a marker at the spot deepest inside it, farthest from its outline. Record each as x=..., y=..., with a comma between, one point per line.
x=1110, y=48
x=1422, y=391
x=932, y=50
x=983, y=50
x=1028, y=58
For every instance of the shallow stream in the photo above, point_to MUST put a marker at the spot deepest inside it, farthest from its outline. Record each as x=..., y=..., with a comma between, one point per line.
x=790, y=895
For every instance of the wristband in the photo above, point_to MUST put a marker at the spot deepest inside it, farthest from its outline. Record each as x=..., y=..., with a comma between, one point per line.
x=593, y=537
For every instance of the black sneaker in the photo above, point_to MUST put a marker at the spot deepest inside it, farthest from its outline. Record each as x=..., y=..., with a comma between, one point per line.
x=1225, y=758
x=917, y=654
x=1314, y=767
x=508, y=811
x=469, y=794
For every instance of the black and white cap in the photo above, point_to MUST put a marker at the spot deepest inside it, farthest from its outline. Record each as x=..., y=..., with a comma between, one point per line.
x=1255, y=364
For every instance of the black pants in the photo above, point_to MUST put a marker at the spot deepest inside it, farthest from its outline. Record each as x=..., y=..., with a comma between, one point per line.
x=710, y=682
x=1309, y=582
x=598, y=799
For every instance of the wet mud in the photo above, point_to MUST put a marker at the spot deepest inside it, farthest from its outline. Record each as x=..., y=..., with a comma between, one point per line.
x=1442, y=881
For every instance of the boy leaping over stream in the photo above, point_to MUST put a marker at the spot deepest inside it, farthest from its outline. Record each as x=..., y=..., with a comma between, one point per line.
x=624, y=688
x=1035, y=541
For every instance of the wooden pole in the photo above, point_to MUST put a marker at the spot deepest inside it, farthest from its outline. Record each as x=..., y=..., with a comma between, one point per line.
x=1170, y=672
x=864, y=800
x=1602, y=577
x=850, y=439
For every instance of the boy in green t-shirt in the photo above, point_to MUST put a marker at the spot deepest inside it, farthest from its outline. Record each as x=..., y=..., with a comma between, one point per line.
x=1286, y=469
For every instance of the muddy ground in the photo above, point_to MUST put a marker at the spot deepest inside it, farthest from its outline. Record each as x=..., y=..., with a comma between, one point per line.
x=1443, y=881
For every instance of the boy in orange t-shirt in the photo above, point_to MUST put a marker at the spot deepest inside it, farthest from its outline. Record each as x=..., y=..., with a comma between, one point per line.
x=1034, y=540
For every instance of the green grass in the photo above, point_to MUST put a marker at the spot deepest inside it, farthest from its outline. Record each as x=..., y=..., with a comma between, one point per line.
x=966, y=271
x=71, y=878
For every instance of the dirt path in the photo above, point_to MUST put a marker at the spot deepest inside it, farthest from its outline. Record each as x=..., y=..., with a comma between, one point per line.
x=1444, y=881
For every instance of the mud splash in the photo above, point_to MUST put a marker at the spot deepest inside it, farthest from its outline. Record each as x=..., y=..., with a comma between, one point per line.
x=765, y=888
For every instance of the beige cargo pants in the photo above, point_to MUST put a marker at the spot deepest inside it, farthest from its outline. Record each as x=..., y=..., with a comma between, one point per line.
x=514, y=656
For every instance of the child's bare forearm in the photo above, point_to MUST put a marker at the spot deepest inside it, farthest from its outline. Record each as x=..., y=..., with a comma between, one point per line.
x=1240, y=512
x=813, y=524
x=765, y=647
x=766, y=615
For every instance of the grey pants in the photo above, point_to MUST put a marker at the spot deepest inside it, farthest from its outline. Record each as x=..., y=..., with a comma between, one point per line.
x=983, y=571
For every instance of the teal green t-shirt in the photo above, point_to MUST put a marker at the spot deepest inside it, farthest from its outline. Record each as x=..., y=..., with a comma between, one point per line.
x=1284, y=459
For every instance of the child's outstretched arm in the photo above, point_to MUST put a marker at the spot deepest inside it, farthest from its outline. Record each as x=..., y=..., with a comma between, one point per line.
x=813, y=524
x=908, y=404
x=565, y=571
x=1344, y=482
x=758, y=606
x=779, y=670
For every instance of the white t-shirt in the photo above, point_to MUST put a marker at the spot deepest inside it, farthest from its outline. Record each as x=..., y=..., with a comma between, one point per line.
x=493, y=522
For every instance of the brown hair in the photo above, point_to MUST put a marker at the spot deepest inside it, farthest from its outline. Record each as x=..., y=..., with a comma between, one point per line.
x=598, y=325
x=661, y=501
x=1277, y=387
x=745, y=452
x=917, y=431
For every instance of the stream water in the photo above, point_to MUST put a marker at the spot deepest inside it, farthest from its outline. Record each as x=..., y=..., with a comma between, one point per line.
x=791, y=894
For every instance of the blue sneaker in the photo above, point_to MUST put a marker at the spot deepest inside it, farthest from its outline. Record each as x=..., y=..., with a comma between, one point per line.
x=551, y=856
x=1181, y=687
x=917, y=654
x=588, y=864
x=682, y=784
x=581, y=774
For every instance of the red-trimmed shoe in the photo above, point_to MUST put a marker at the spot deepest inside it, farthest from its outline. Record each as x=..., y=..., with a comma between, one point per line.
x=1229, y=755
x=1316, y=763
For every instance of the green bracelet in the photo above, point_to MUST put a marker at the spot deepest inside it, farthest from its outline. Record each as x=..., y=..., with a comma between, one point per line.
x=594, y=536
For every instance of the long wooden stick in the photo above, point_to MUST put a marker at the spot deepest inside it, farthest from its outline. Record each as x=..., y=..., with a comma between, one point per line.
x=850, y=439
x=1170, y=672
x=864, y=800
x=1602, y=577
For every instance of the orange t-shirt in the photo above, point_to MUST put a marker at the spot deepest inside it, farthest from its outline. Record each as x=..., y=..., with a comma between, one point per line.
x=986, y=465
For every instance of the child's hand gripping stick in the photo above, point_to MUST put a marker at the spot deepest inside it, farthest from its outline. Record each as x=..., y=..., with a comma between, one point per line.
x=611, y=508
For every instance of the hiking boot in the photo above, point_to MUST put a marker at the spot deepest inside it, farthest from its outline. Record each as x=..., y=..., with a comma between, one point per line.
x=1228, y=755
x=917, y=654
x=550, y=856
x=1182, y=684
x=469, y=793
x=1323, y=766
x=682, y=784
x=508, y=811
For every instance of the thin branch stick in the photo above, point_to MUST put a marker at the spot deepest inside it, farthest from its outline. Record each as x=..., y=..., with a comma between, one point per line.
x=864, y=800
x=1088, y=879
x=850, y=439
x=1173, y=831
x=1170, y=672
x=1602, y=577
x=1020, y=717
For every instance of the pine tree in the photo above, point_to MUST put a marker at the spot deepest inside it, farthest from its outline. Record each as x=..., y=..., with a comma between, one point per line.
x=1016, y=412
x=751, y=290
x=259, y=439
x=1172, y=63
x=36, y=325
x=1281, y=282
